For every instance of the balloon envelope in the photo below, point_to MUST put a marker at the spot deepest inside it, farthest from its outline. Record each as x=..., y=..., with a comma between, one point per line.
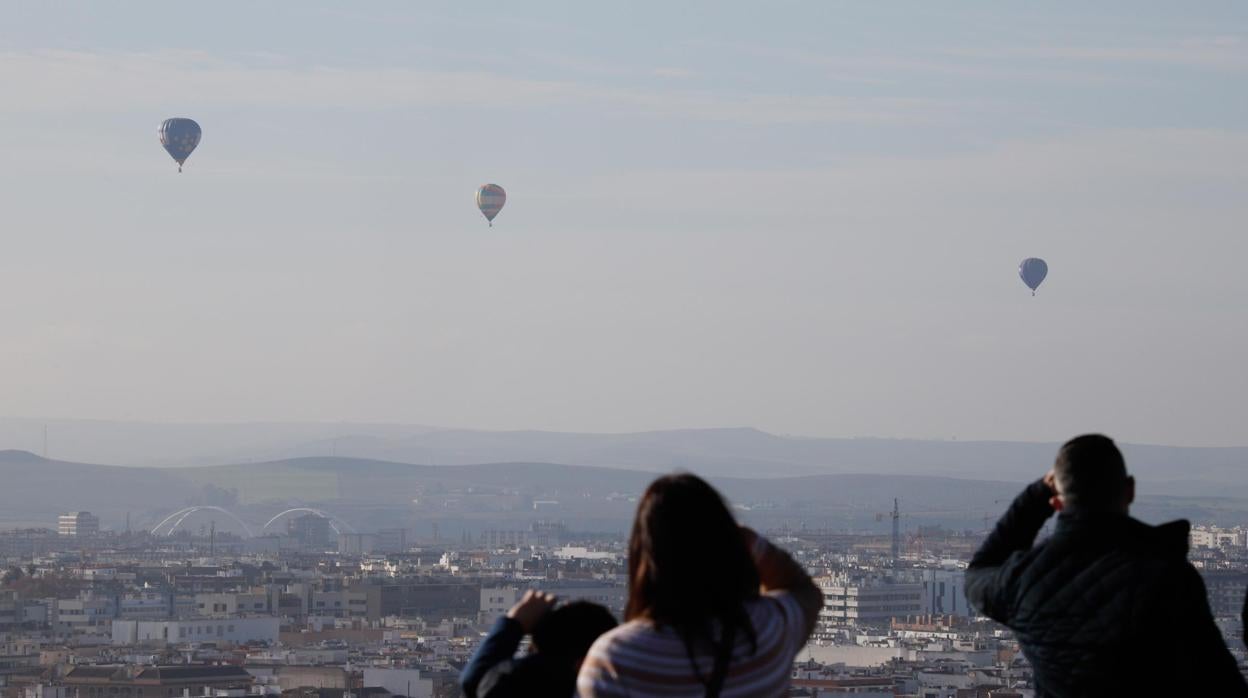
x=490, y=199
x=180, y=136
x=1032, y=271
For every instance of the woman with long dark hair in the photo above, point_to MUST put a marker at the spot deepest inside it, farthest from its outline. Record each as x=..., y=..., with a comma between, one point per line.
x=713, y=609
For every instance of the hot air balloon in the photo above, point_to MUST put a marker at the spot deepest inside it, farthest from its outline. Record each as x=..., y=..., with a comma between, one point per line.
x=1032, y=271
x=180, y=136
x=490, y=199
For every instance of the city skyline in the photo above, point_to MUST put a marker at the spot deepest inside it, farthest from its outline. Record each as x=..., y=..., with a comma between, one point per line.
x=425, y=350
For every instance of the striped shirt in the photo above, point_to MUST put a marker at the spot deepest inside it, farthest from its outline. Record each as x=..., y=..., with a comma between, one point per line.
x=636, y=659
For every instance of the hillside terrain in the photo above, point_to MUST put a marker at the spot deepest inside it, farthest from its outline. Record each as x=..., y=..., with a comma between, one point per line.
x=372, y=494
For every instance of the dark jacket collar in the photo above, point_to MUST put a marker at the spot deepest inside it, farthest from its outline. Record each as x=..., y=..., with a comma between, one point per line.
x=1165, y=539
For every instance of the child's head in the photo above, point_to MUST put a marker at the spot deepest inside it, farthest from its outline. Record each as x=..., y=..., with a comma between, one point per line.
x=569, y=630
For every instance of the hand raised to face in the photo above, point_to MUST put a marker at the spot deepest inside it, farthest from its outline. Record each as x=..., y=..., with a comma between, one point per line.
x=1055, y=499
x=531, y=607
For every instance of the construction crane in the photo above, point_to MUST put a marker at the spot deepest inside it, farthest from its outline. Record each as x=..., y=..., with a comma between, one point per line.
x=896, y=530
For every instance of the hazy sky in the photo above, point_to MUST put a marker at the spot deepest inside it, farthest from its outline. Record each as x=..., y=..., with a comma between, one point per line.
x=805, y=217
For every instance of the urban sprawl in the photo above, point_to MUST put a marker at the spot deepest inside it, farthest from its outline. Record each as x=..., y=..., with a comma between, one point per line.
x=317, y=611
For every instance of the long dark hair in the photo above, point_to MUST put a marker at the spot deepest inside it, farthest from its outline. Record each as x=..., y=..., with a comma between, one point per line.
x=689, y=568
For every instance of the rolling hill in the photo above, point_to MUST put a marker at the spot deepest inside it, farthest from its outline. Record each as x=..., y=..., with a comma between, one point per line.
x=375, y=493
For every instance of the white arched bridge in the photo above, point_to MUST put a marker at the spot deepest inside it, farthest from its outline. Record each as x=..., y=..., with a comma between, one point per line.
x=170, y=524
x=334, y=522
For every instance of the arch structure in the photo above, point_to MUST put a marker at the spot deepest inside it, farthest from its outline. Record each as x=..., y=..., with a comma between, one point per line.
x=171, y=522
x=334, y=522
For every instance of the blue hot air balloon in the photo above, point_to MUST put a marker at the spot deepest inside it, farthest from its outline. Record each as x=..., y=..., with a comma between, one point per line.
x=490, y=199
x=1032, y=271
x=180, y=136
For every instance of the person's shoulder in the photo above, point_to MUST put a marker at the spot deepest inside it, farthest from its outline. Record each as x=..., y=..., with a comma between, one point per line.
x=779, y=609
x=539, y=674
x=1178, y=571
x=634, y=632
x=626, y=648
x=629, y=629
x=1172, y=537
x=1041, y=555
x=1157, y=552
x=780, y=602
x=1157, y=559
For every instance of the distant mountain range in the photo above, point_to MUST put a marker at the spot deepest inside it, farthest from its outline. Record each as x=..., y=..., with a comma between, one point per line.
x=183, y=444
x=737, y=452
x=372, y=493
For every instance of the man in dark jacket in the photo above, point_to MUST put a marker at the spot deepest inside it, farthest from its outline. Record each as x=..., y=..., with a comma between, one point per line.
x=561, y=638
x=1106, y=606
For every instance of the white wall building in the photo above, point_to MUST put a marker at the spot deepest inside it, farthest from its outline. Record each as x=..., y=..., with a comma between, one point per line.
x=78, y=523
x=145, y=605
x=495, y=601
x=229, y=603
x=86, y=614
x=174, y=632
x=1218, y=538
x=580, y=552
x=356, y=543
x=874, y=602
x=613, y=596
x=944, y=593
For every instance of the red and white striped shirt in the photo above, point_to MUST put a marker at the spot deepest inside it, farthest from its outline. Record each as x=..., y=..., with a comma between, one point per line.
x=636, y=659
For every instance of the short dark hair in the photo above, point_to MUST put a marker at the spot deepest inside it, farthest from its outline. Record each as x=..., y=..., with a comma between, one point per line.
x=569, y=630
x=1090, y=472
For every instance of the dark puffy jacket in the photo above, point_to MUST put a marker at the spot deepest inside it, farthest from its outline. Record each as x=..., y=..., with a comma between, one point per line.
x=1106, y=606
x=495, y=672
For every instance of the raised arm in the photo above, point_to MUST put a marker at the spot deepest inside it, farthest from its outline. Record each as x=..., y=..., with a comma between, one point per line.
x=501, y=643
x=988, y=575
x=778, y=571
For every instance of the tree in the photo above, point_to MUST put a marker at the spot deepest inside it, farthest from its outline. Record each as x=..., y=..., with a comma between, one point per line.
x=11, y=575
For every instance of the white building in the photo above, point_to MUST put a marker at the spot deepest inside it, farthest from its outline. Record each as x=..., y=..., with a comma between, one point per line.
x=608, y=594
x=496, y=601
x=580, y=552
x=1218, y=538
x=145, y=605
x=944, y=593
x=78, y=523
x=45, y=691
x=874, y=602
x=231, y=603
x=853, y=655
x=357, y=543
x=173, y=632
x=86, y=614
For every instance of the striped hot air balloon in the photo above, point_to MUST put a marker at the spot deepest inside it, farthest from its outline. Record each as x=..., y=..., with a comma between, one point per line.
x=490, y=199
x=180, y=136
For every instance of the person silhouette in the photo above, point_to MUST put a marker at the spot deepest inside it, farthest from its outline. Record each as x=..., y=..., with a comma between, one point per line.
x=1107, y=605
x=713, y=608
x=561, y=635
